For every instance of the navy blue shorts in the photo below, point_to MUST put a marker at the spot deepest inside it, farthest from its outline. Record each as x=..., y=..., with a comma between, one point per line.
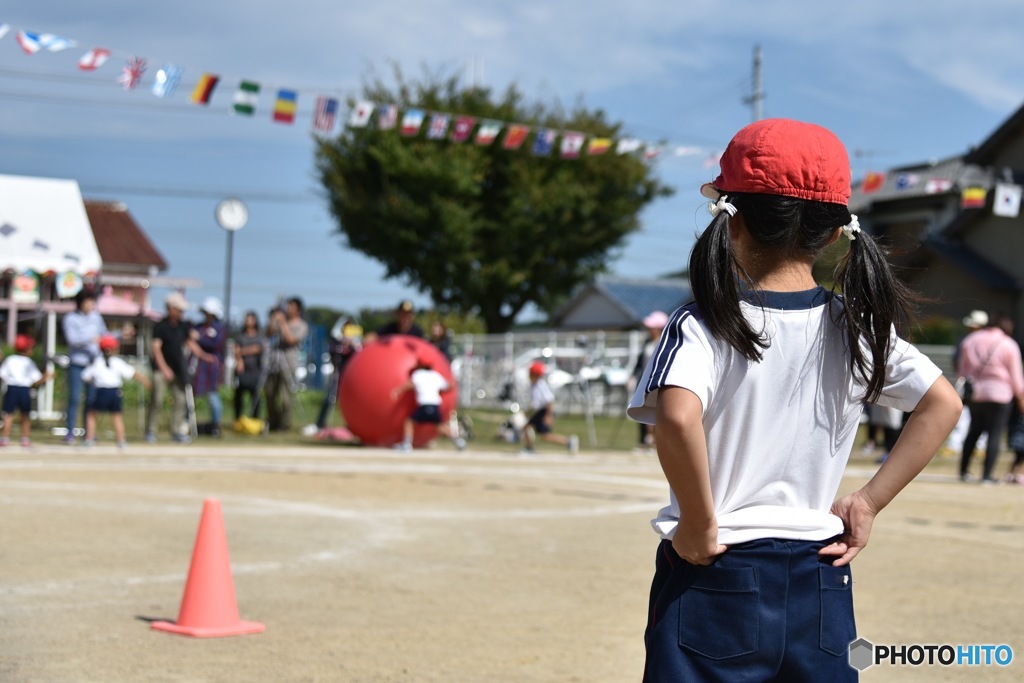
x=427, y=414
x=106, y=400
x=767, y=610
x=537, y=421
x=18, y=399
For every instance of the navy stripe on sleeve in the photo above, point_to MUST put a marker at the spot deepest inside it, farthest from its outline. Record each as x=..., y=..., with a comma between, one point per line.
x=668, y=348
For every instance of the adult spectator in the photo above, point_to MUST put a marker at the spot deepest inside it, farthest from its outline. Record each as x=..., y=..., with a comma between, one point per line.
x=654, y=323
x=212, y=339
x=249, y=351
x=441, y=337
x=973, y=322
x=343, y=343
x=286, y=332
x=171, y=337
x=82, y=328
x=404, y=322
x=991, y=359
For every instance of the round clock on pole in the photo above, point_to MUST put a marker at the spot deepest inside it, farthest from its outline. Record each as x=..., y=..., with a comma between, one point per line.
x=232, y=215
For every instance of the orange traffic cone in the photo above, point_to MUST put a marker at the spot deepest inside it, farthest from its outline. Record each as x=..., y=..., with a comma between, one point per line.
x=208, y=608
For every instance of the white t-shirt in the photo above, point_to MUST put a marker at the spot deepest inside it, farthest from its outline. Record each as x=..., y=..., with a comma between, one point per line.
x=540, y=394
x=779, y=431
x=428, y=385
x=113, y=377
x=19, y=371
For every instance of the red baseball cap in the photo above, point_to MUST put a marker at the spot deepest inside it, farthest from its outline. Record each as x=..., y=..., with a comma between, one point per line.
x=784, y=157
x=109, y=342
x=538, y=368
x=23, y=343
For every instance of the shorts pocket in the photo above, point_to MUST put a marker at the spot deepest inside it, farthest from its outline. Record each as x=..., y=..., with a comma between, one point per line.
x=718, y=612
x=837, y=628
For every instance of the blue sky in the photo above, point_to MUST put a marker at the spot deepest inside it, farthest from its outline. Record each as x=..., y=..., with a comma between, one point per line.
x=898, y=82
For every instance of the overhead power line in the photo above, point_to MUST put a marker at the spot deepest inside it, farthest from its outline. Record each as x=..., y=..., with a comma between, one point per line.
x=248, y=195
x=107, y=102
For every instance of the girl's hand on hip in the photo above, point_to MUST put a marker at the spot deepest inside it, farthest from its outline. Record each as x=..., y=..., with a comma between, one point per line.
x=858, y=514
x=698, y=544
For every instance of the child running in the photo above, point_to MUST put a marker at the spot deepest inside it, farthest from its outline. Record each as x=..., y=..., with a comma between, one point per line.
x=542, y=403
x=108, y=373
x=427, y=384
x=20, y=374
x=756, y=390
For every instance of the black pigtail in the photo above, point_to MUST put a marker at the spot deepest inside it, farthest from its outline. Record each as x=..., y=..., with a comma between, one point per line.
x=716, y=288
x=874, y=300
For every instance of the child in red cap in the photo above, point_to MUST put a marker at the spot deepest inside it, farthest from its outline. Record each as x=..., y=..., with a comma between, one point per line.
x=541, y=422
x=20, y=374
x=756, y=390
x=108, y=373
x=427, y=384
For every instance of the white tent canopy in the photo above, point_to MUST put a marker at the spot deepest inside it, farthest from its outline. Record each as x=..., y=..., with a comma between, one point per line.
x=43, y=226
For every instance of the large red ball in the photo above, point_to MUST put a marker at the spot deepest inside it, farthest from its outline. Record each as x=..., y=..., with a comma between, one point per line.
x=365, y=392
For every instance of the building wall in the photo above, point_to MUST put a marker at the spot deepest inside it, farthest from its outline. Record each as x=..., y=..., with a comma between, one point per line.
x=954, y=294
x=1000, y=240
x=1010, y=154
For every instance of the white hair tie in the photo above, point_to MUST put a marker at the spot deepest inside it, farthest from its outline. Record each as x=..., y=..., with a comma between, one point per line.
x=853, y=229
x=721, y=205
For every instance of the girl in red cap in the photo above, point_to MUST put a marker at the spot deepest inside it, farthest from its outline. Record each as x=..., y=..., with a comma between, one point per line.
x=108, y=373
x=542, y=403
x=756, y=389
x=20, y=374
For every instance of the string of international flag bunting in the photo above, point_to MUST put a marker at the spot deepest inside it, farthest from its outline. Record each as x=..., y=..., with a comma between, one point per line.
x=410, y=121
x=1006, y=198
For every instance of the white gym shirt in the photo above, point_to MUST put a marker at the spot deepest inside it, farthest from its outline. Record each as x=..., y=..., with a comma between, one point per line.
x=428, y=385
x=112, y=375
x=779, y=431
x=19, y=371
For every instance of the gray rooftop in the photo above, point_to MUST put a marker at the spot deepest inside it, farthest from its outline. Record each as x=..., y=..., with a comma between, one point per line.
x=641, y=296
x=939, y=178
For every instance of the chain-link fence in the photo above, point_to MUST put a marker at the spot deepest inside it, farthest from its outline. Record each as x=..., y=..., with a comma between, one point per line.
x=582, y=369
x=941, y=356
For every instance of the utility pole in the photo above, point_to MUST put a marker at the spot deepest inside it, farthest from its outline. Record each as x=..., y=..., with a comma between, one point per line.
x=757, y=94
x=473, y=75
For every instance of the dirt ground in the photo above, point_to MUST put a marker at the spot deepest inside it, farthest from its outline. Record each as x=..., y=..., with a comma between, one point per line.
x=371, y=566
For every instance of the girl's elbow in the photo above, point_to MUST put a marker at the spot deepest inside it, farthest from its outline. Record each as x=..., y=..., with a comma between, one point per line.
x=954, y=410
x=944, y=400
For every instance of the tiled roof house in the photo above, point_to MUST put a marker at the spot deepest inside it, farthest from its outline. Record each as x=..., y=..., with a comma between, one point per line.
x=130, y=260
x=960, y=258
x=614, y=303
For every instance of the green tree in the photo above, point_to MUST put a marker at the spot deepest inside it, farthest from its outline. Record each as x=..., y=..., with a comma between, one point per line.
x=323, y=316
x=483, y=230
